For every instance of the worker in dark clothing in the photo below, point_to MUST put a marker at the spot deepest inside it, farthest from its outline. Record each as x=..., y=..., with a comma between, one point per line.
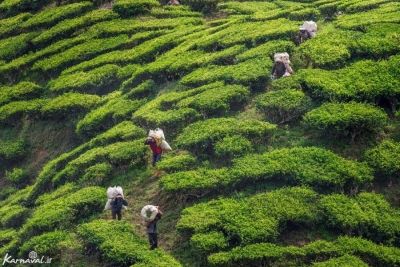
x=156, y=150
x=152, y=230
x=278, y=70
x=116, y=206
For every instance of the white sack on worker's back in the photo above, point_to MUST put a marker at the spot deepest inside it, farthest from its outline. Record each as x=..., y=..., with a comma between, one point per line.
x=310, y=26
x=160, y=133
x=111, y=193
x=114, y=191
x=282, y=57
x=165, y=146
x=148, y=213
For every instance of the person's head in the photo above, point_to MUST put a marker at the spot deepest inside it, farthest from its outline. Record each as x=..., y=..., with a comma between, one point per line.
x=302, y=29
x=118, y=196
x=150, y=139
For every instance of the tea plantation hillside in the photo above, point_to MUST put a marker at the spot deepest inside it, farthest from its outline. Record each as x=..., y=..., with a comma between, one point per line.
x=298, y=171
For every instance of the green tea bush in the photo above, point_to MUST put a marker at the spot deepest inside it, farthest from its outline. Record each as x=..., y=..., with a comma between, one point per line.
x=209, y=241
x=346, y=119
x=12, y=25
x=233, y=146
x=238, y=222
x=45, y=244
x=143, y=90
x=197, y=182
x=69, y=103
x=106, y=116
x=317, y=251
x=202, y=135
x=18, y=177
x=303, y=165
x=367, y=214
x=246, y=8
x=380, y=40
x=173, y=12
x=97, y=174
x=7, y=191
x=363, y=6
x=253, y=73
x=17, y=197
x=283, y=105
x=20, y=91
x=385, y=158
x=266, y=50
x=346, y=260
x=364, y=80
x=67, y=26
x=249, y=33
x=305, y=14
x=127, y=8
x=161, y=112
x=91, y=81
x=131, y=26
x=181, y=162
x=386, y=13
x=79, y=53
x=331, y=49
x=17, y=65
x=11, y=113
x=216, y=101
x=117, y=241
x=61, y=213
x=68, y=188
x=13, y=7
x=53, y=15
x=7, y=235
x=12, y=150
x=13, y=216
x=15, y=46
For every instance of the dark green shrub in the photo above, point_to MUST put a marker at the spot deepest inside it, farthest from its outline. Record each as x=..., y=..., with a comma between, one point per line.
x=15, y=46
x=239, y=221
x=7, y=235
x=303, y=165
x=45, y=244
x=345, y=260
x=66, y=189
x=20, y=91
x=385, y=158
x=13, y=24
x=367, y=214
x=117, y=241
x=233, y=146
x=13, y=216
x=88, y=82
x=6, y=192
x=12, y=150
x=202, y=135
x=283, y=105
x=69, y=103
x=61, y=213
x=181, y=162
x=13, y=7
x=53, y=15
x=209, y=241
x=97, y=174
x=246, y=8
x=127, y=8
x=266, y=50
x=67, y=26
x=18, y=177
x=346, y=119
x=11, y=113
x=173, y=12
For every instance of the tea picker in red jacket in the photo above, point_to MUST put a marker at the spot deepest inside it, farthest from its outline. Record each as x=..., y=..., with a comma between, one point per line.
x=156, y=150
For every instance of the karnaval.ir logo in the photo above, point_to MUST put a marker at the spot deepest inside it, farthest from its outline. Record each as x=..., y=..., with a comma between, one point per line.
x=33, y=258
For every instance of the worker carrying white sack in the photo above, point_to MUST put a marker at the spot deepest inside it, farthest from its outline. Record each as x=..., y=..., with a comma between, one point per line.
x=307, y=30
x=157, y=143
x=115, y=201
x=149, y=213
x=281, y=67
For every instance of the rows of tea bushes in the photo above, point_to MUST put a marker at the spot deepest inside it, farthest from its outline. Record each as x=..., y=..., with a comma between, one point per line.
x=316, y=167
x=256, y=154
x=123, y=246
x=319, y=253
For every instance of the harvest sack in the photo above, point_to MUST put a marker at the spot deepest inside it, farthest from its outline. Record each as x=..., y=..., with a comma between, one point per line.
x=311, y=27
x=111, y=193
x=159, y=136
x=165, y=146
x=282, y=57
x=148, y=213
